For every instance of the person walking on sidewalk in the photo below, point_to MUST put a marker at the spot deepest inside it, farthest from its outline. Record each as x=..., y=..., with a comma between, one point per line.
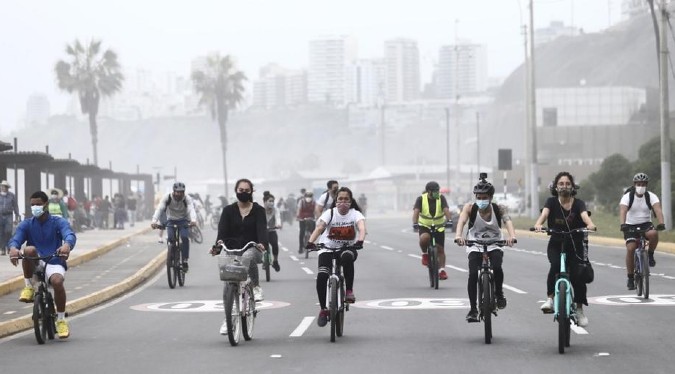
x=8, y=207
x=44, y=234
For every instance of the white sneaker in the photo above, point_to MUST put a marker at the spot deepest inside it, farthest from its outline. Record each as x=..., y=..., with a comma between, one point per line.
x=582, y=320
x=258, y=294
x=547, y=307
x=223, y=327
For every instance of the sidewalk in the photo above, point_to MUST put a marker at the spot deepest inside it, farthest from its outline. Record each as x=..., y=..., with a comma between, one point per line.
x=131, y=256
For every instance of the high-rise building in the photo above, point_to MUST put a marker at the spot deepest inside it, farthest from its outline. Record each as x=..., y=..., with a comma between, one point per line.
x=37, y=109
x=554, y=30
x=279, y=87
x=366, y=82
x=402, y=70
x=461, y=69
x=328, y=59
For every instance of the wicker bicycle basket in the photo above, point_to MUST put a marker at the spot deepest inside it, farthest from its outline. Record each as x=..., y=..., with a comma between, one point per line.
x=233, y=268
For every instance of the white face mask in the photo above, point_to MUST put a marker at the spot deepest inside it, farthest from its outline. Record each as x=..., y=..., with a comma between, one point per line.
x=308, y=199
x=640, y=190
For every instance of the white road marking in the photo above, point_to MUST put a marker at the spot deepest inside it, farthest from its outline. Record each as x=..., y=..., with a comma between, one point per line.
x=302, y=327
x=387, y=247
x=456, y=268
x=294, y=258
x=9, y=312
x=511, y=288
x=275, y=356
x=308, y=270
x=284, y=249
x=414, y=256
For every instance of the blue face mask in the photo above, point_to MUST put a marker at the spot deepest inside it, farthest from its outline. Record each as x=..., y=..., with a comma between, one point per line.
x=37, y=210
x=482, y=204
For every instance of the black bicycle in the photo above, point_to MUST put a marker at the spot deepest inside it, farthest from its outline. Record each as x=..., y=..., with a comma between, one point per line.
x=487, y=297
x=44, y=311
x=195, y=234
x=174, y=256
x=310, y=224
x=641, y=258
x=432, y=252
x=238, y=297
x=335, y=290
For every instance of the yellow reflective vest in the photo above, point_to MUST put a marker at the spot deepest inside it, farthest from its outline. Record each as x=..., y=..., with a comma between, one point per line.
x=426, y=219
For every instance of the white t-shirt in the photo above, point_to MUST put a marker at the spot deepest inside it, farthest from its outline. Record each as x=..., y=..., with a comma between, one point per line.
x=483, y=229
x=322, y=199
x=639, y=212
x=341, y=229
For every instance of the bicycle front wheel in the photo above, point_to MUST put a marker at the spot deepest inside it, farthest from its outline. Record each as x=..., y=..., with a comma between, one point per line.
x=180, y=272
x=433, y=267
x=340, y=324
x=196, y=235
x=645, y=274
x=39, y=316
x=51, y=317
x=486, y=305
x=333, y=306
x=563, y=317
x=171, y=267
x=248, y=313
x=266, y=265
x=232, y=308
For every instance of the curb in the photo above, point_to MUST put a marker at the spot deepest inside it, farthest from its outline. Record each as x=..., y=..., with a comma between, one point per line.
x=17, y=283
x=18, y=324
x=665, y=247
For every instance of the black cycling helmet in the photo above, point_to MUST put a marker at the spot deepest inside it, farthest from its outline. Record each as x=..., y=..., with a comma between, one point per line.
x=640, y=177
x=179, y=186
x=432, y=186
x=484, y=187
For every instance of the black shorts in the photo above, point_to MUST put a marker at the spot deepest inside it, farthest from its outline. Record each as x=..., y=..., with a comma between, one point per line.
x=439, y=236
x=633, y=236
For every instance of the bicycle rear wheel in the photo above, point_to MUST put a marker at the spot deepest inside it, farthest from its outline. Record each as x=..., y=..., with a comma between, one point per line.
x=333, y=306
x=486, y=305
x=306, y=240
x=563, y=318
x=196, y=235
x=645, y=274
x=232, y=312
x=171, y=267
x=39, y=314
x=214, y=222
x=248, y=313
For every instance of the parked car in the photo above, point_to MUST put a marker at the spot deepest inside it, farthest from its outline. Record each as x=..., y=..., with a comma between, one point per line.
x=515, y=204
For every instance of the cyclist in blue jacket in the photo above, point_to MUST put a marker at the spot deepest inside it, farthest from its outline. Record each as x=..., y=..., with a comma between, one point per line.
x=44, y=234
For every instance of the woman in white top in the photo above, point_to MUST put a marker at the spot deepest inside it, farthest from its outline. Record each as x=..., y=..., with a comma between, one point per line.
x=342, y=224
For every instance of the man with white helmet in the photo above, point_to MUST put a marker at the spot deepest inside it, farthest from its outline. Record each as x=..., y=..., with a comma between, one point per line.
x=635, y=209
x=180, y=210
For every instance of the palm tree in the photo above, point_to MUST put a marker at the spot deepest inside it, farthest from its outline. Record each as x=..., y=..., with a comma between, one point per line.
x=92, y=75
x=221, y=89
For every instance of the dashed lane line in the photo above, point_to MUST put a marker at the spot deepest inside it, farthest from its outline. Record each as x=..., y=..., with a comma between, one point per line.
x=302, y=327
x=308, y=270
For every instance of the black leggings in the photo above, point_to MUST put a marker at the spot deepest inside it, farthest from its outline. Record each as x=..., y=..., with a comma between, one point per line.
x=475, y=262
x=553, y=252
x=346, y=261
x=273, y=239
x=304, y=225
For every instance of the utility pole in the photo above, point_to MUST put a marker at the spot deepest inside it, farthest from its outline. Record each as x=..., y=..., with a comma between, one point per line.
x=477, y=144
x=447, y=149
x=382, y=157
x=665, y=118
x=534, y=172
x=458, y=173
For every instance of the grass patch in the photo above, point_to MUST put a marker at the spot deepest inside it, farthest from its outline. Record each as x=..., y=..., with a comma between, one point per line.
x=607, y=223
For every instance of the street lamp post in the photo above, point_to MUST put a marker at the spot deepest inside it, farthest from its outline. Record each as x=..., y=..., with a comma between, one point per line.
x=478, y=143
x=532, y=114
x=447, y=149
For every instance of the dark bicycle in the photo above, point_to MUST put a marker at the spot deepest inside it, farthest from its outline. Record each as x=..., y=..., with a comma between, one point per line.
x=335, y=290
x=432, y=252
x=195, y=234
x=267, y=264
x=238, y=297
x=487, y=297
x=641, y=257
x=564, y=308
x=310, y=224
x=44, y=311
x=174, y=257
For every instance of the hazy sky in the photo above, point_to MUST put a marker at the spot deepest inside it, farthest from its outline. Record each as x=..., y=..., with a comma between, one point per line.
x=166, y=35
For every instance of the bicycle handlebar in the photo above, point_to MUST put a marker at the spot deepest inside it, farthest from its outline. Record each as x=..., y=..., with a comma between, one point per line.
x=485, y=242
x=551, y=231
x=235, y=251
x=175, y=225
x=41, y=258
x=320, y=246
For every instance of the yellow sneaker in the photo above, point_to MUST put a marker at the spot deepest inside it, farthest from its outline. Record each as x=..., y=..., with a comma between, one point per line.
x=27, y=294
x=62, y=329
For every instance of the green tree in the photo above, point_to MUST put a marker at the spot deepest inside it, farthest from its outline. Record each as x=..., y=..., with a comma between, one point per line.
x=610, y=180
x=221, y=89
x=91, y=74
